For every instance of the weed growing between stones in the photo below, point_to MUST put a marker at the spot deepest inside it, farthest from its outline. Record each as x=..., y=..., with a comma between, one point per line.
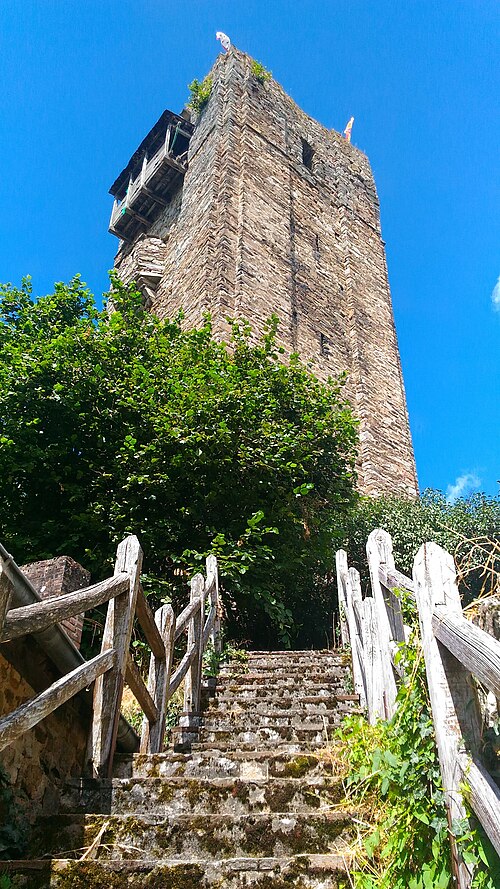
x=200, y=93
x=260, y=72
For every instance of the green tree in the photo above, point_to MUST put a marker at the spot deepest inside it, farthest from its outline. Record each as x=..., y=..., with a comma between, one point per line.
x=468, y=528
x=118, y=422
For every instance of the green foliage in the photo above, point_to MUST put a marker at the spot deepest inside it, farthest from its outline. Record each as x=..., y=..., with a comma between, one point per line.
x=469, y=528
x=5, y=881
x=121, y=423
x=260, y=72
x=394, y=774
x=214, y=660
x=200, y=92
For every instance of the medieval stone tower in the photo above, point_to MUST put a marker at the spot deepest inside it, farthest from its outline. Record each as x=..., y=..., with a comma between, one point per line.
x=254, y=208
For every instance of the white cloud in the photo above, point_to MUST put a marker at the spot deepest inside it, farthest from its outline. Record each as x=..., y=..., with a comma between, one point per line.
x=495, y=296
x=463, y=485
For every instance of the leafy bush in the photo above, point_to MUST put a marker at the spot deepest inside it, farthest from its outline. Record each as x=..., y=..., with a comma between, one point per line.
x=121, y=423
x=200, y=93
x=469, y=529
x=260, y=72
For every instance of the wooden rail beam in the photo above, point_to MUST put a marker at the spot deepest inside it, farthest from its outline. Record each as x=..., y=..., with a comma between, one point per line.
x=147, y=621
x=39, y=615
x=30, y=714
x=187, y=614
x=134, y=681
x=476, y=650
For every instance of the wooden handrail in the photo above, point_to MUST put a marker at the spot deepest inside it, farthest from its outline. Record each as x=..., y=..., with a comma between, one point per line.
x=396, y=580
x=476, y=650
x=146, y=619
x=28, y=715
x=115, y=665
x=182, y=669
x=135, y=682
x=36, y=617
x=455, y=651
x=209, y=625
x=483, y=795
x=182, y=622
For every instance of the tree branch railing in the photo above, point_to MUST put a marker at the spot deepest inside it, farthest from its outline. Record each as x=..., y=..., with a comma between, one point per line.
x=114, y=666
x=456, y=654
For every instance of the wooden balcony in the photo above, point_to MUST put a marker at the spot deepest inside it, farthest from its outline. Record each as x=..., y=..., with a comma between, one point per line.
x=151, y=177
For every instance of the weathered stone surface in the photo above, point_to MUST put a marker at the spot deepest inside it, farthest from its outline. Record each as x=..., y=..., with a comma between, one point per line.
x=299, y=872
x=37, y=764
x=257, y=228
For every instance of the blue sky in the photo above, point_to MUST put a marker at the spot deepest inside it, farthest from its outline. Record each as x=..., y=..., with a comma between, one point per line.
x=82, y=82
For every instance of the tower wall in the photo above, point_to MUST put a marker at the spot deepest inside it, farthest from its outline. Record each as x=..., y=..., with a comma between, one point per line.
x=260, y=227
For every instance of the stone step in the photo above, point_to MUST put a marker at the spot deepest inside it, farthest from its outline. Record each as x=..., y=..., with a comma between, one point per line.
x=307, y=703
x=290, y=747
x=252, y=765
x=230, y=721
x=195, y=796
x=316, y=733
x=301, y=652
x=291, y=872
x=272, y=665
x=287, y=675
x=283, y=688
x=183, y=837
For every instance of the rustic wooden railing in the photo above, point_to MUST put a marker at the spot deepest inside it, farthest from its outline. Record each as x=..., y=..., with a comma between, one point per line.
x=114, y=665
x=457, y=654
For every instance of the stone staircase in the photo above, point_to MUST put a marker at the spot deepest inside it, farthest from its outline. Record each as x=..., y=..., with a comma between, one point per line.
x=254, y=803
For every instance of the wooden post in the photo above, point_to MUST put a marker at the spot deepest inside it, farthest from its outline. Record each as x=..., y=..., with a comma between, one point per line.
x=143, y=169
x=344, y=582
x=152, y=735
x=455, y=710
x=379, y=552
x=341, y=566
x=108, y=689
x=357, y=614
x=215, y=602
x=192, y=684
x=167, y=140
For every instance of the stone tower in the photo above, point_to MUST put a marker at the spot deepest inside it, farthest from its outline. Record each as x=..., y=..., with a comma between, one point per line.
x=252, y=209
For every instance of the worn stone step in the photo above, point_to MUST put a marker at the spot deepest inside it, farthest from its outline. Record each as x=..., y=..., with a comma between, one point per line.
x=291, y=747
x=251, y=765
x=195, y=796
x=306, y=704
x=286, y=675
x=300, y=652
x=295, y=658
x=273, y=666
x=291, y=872
x=245, y=720
x=184, y=837
x=289, y=689
x=304, y=733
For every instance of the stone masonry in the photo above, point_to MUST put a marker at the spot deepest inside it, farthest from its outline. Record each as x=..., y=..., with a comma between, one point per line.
x=54, y=577
x=277, y=214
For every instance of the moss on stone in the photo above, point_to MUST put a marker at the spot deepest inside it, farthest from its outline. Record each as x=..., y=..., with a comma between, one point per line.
x=299, y=766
